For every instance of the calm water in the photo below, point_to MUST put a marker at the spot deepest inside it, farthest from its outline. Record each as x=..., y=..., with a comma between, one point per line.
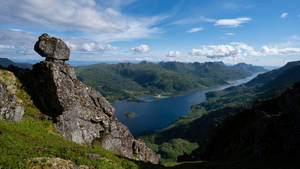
x=158, y=114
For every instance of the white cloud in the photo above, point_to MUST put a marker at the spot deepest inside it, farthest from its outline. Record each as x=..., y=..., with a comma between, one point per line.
x=192, y=30
x=240, y=50
x=92, y=47
x=90, y=17
x=230, y=34
x=6, y=46
x=279, y=51
x=88, y=47
x=113, y=12
x=193, y=20
x=173, y=54
x=17, y=30
x=283, y=15
x=71, y=45
x=236, y=22
x=19, y=45
x=235, y=49
x=232, y=22
x=141, y=49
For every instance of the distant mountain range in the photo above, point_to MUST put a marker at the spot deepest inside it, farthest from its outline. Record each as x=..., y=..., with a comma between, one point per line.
x=127, y=80
x=4, y=62
x=204, y=117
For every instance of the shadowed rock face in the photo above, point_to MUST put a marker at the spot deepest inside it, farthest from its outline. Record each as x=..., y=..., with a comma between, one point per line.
x=52, y=48
x=81, y=113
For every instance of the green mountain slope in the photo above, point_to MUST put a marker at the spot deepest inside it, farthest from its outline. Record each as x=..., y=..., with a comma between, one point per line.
x=35, y=143
x=268, y=130
x=126, y=80
x=196, y=126
x=35, y=137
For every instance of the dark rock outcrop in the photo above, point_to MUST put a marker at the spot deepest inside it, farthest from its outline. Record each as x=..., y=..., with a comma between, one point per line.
x=52, y=48
x=81, y=113
x=270, y=128
x=11, y=108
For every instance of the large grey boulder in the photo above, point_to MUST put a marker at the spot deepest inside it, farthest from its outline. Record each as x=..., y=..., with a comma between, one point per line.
x=52, y=48
x=11, y=107
x=81, y=113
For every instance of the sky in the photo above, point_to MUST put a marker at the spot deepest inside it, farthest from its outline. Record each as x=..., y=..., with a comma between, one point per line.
x=259, y=32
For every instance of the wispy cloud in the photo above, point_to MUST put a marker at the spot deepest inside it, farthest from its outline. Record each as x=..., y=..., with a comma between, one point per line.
x=143, y=48
x=19, y=45
x=230, y=5
x=235, y=49
x=233, y=22
x=236, y=22
x=240, y=50
x=192, y=30
x=284, y=15
x=279, y=51
x=92, y=47
x=89, y=17
x=7, y=46
x=230, y=34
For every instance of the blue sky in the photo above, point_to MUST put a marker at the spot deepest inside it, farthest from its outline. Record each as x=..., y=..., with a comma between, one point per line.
x=260, y=32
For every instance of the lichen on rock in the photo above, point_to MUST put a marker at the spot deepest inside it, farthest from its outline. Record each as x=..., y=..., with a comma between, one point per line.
x=81, y=113
x=52, y=48
x=11, y=108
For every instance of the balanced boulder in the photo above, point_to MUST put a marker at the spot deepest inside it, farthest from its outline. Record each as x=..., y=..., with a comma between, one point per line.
x=81, y=113
x=52, y=48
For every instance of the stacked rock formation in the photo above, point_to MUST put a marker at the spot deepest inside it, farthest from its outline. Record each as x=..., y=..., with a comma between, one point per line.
x=81, y=113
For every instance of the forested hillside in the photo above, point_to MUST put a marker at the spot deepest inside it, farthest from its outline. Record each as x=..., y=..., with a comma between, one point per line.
x=267, y=131
x=127, y=80
x=204, y=117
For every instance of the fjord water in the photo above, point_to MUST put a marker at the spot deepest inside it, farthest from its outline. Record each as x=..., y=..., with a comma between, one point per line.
x=161, y=113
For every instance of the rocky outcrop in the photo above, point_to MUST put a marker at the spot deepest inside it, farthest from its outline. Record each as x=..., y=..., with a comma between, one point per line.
x=53, y=163
x=270, y=128
x=11, y=108
x=52, y=48
x=81, y=113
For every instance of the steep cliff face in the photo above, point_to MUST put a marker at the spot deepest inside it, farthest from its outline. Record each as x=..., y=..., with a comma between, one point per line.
x=81, y=113
x=271, y=128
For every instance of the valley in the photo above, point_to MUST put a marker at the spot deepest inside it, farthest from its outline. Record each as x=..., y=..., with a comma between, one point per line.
x=149, y=84
x=160, y=113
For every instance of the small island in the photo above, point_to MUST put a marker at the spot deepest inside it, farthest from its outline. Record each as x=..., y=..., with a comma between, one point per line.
x=129, y=114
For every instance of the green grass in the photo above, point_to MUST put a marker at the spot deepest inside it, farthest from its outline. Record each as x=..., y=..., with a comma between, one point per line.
x=20, y=142
x=36, y=136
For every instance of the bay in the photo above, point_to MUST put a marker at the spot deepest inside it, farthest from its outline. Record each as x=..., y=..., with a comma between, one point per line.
x=160, y=113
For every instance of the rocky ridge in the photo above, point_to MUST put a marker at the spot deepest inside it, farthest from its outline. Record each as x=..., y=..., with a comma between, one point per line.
x=80, y=112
